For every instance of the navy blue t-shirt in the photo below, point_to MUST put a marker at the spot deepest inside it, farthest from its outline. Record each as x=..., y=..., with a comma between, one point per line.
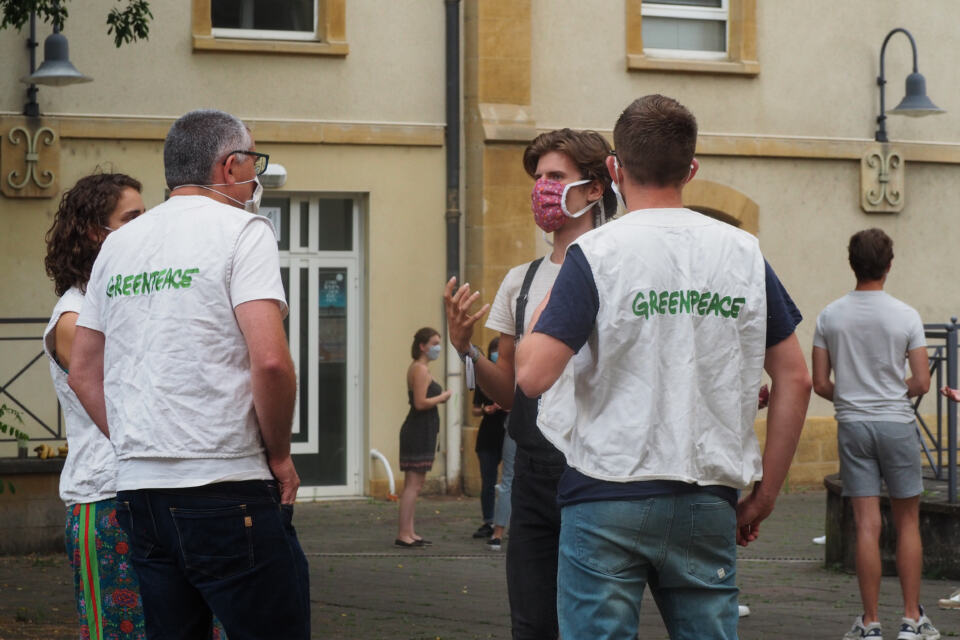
x=570, y=317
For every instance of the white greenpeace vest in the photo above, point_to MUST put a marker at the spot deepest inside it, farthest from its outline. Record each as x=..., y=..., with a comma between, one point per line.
x=666, y=386
x=176, y=366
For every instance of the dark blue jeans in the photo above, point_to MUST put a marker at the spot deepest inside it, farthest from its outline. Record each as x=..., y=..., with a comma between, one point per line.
x=489, y=463
x=227, y=549
x=533, y=548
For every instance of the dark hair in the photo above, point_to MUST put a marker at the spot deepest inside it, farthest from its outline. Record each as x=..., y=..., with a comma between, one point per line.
x=84, y=208
x=588, y=150
x=870, y=252
x=422, y=336
x=656, y=137
x=493, y=346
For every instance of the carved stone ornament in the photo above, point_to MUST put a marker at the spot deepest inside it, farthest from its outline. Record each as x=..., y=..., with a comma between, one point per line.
x=881, y=180
x=29, y=157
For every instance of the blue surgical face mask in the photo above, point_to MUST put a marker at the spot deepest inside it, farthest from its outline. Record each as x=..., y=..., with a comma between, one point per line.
x=493, y=356
x=434, y=352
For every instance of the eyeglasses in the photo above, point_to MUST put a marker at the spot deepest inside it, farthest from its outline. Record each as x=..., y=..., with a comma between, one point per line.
x=260, y=160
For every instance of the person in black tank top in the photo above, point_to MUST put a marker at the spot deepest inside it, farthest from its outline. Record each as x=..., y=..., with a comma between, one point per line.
x=418, y=435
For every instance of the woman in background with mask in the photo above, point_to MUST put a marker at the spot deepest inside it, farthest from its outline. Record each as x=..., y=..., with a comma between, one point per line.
x=418, y=435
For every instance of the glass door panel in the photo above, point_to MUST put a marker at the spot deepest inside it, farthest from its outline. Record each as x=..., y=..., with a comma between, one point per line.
x=319, y=266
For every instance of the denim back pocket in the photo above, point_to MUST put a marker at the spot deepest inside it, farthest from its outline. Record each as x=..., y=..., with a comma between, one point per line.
x=608, y=533
x=215, y=542
x=711, y=550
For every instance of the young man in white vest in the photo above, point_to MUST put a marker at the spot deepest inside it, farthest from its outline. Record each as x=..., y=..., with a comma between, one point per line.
x=668, y=317
x=865, y=338
x=180, y=358
x=570, y=196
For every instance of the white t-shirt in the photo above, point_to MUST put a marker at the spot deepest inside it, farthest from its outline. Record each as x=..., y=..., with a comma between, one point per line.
x=868, y=335
x=176, y=366
x=90, y=471
x=502, y=315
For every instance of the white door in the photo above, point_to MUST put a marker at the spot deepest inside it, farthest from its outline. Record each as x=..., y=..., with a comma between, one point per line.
x=319, y=241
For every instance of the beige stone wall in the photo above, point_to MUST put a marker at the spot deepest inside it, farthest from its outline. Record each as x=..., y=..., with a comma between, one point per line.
x=819, y=61
x=397, y=82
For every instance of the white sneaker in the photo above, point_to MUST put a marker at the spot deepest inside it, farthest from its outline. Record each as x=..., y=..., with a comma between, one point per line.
x=952, y=601
x=744, y=610
x=859, y=630
x=920, y=629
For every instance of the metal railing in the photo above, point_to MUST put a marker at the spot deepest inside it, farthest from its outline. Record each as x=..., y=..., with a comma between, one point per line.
x=942, y=456
x=34, y=331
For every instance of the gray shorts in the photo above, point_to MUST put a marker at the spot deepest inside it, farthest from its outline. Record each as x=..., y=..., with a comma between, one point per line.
x=871, y=450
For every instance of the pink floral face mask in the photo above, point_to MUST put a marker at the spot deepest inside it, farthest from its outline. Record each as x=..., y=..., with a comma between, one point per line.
x=548, y=201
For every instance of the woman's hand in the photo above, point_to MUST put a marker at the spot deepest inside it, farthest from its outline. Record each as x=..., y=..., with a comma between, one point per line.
x=443, y=397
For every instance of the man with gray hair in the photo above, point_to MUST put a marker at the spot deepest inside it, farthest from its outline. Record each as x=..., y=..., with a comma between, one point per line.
x=180, y=358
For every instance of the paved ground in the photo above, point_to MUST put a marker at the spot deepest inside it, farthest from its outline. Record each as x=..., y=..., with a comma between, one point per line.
x=362, y=587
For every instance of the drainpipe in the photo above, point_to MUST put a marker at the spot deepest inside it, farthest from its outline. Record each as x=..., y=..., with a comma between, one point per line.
x=454, y=382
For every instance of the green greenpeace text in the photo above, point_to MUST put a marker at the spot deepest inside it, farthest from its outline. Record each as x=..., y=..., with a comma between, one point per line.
x=150, y=281
x=693, y=302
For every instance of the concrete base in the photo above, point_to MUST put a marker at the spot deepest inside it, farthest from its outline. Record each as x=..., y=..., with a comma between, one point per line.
x=939, y=530
x=32, y=516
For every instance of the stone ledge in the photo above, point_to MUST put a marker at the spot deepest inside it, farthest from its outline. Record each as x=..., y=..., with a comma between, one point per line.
x=16, y=466
x=939, y=531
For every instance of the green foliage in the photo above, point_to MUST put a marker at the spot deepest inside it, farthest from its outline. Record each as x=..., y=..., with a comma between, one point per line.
x=127, y=24
x=131, y=23
x=16, y=13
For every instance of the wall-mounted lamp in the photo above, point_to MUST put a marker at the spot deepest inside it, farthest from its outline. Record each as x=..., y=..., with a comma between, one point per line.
x=915, y=103
x=274, y=177
x=56, y=70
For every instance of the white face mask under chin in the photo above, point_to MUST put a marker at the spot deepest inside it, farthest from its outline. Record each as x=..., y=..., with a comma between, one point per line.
x=252, y=205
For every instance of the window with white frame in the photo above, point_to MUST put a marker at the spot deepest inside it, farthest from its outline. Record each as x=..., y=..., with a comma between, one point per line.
x=264, y=19
x=696, y=29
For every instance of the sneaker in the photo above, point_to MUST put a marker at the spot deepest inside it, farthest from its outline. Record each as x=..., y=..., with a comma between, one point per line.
x=952, y=601
x=858, y=630
x=743, y=610
x=485, y=531
x=493, y=544
x=920, y=629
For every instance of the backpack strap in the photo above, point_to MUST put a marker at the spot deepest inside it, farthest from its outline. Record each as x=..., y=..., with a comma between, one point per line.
x=522, y=298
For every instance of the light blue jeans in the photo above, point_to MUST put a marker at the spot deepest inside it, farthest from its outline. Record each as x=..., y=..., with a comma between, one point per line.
x=501, y=511
x=683, y=546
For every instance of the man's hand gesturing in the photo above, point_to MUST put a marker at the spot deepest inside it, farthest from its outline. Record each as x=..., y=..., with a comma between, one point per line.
x=459, y=319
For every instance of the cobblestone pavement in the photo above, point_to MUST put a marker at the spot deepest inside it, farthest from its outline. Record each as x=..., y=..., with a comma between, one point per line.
x=362, y=587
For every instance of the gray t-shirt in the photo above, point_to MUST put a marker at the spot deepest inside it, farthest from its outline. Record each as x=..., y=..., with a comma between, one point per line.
x=868, y=335
x=504, y=307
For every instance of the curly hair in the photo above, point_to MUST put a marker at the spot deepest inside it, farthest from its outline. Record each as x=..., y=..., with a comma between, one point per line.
x=84, y=208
